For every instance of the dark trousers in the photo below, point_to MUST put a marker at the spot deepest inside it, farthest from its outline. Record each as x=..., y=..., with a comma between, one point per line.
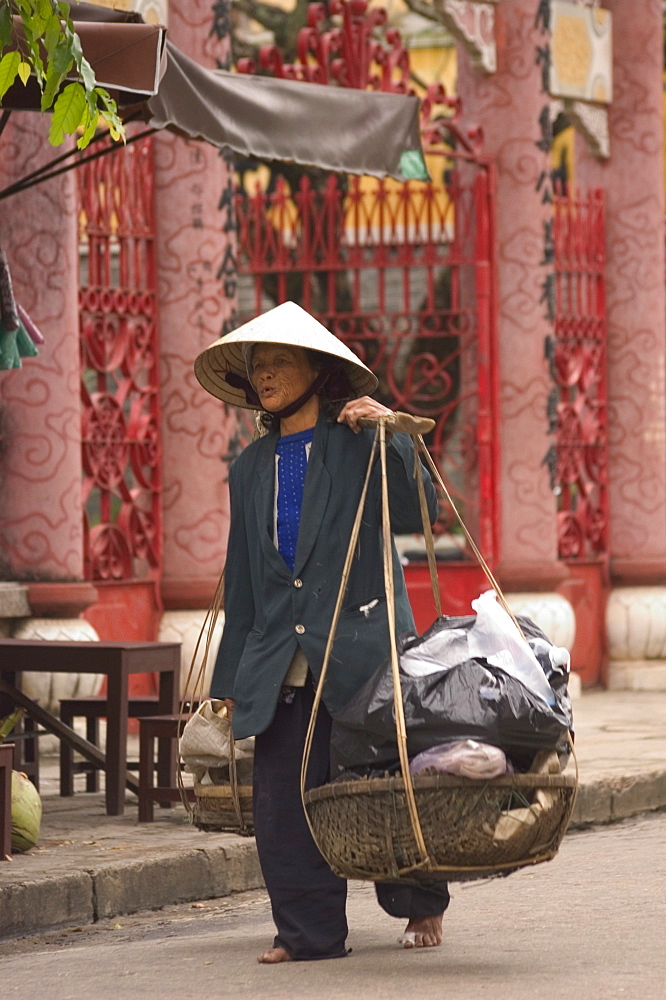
x=308, y=901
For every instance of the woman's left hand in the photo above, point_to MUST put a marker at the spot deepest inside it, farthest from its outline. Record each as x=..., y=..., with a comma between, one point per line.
x=355, y=409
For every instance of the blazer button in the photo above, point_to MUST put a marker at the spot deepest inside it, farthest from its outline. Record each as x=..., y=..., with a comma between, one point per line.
x=298, y=583
x=300, y=629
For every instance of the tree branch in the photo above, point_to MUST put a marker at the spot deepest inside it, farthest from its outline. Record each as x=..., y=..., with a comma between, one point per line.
x=268, y=16
x=285, y=25
x=425, y=8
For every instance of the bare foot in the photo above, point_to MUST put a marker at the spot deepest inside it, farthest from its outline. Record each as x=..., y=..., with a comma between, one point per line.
x=423, y=933
x=273, y=956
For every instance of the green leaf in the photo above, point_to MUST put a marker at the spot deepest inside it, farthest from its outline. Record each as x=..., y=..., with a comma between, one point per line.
x=9, y=65
x=90, y=128
x=58, y=68
x=5, y=25
x=52, y=34
x=105, y=97
x=27, y=24
x=9, y=722
x=116, y=127
x=24, y=8
x=87, y=74
x=63, y=57
x=24, y=70
x=34, y=56
x=68, y=112
x=37, y=25
x=110, y=115
x=82, y=64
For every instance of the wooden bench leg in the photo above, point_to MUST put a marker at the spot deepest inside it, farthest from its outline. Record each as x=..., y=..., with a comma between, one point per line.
x=67, y=768
x=30, y=751
x=167, y=763
x=146, y=775
x=66, y=761
x=92, y=735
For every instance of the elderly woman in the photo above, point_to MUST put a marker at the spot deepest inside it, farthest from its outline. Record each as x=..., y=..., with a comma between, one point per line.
x=294, y=494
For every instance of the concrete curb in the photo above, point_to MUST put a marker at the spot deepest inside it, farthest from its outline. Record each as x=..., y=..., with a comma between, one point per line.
x=70, y=899
x=615, y=799
x=31, y=906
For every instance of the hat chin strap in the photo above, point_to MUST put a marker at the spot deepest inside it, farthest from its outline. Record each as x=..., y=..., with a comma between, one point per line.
x=288, y=411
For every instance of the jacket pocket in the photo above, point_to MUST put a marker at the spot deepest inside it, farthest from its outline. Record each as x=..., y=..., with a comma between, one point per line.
x=367, y=609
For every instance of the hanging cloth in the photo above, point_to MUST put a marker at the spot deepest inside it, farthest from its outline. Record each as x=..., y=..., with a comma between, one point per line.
x=15, y=340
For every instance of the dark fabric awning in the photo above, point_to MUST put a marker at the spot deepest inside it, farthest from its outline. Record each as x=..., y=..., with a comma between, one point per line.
x=334, y=128
x=353, y=131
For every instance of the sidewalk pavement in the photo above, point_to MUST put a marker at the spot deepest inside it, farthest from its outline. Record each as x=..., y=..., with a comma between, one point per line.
x=91, y=866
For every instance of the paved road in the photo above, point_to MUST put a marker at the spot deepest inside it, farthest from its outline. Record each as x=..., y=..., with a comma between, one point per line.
x=590, y=925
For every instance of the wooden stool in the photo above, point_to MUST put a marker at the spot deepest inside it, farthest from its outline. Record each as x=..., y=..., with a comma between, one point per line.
x=92, y=709
x=6, y=767
x=163, y=728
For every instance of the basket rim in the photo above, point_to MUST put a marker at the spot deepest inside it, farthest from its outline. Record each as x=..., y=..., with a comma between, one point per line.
x=379, y=786
x=220, y=791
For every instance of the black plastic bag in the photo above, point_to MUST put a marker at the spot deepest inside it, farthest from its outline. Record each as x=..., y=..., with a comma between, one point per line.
x=466, y=699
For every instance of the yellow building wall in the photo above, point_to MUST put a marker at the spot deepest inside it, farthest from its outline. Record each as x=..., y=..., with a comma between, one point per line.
x=153, y=13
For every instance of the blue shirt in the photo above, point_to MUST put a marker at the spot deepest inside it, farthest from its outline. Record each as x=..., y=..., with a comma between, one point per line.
x=292, y=452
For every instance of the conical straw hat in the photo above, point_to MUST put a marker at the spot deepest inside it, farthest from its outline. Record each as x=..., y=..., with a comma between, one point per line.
x=286, y=324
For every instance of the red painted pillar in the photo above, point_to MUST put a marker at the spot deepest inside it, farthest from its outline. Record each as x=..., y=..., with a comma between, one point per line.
x=197, y=294
x=511, y=105
x=633, y=180
x=41, y=528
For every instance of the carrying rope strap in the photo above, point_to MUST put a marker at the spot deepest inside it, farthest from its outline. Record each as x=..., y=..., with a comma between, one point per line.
x=193, y=692
x=420, y=449
x=401, y=727
x=427, y=527
x=380, y=438
x=413, y=426
x=334, y=625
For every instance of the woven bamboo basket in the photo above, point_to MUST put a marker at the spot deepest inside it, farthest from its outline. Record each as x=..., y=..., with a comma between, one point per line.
x=472, y=829
x=433, y=825
x=214, y=808
x=224, y=807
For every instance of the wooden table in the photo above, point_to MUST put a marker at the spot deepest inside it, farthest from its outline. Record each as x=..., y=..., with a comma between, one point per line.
x=116, y=661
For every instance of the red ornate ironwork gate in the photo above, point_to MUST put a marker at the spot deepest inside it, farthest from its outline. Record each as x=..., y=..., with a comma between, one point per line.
x=119, y=366
x=400, y=272
x=578, y=416
x=578, y=366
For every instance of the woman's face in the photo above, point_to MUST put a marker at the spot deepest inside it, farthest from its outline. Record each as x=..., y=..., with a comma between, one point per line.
x=280, y=375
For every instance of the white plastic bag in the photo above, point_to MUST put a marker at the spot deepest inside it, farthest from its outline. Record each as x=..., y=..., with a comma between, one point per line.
x=205, y=741
x=494, y=637
x=442, y=649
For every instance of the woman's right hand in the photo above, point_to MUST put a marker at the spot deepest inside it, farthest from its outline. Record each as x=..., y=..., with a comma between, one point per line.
x=229, y=703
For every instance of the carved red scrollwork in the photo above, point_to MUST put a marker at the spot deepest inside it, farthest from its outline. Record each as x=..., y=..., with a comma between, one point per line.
x=119, y=376
x=348, y=53
x=578, y=368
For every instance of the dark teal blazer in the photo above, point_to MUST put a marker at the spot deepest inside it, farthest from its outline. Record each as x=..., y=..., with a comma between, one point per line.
x=269, y=610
